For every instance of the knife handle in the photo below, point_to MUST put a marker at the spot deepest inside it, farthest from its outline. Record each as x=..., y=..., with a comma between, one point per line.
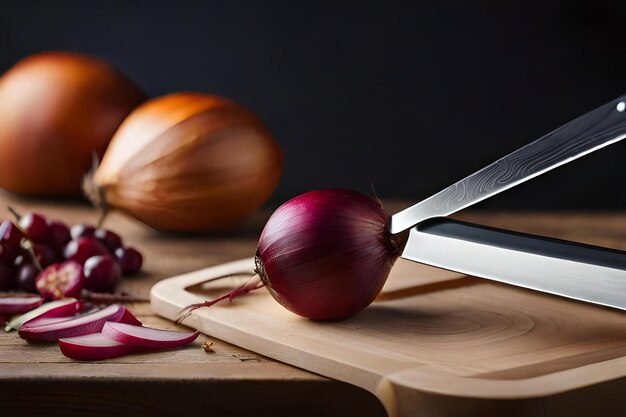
x=573, y=270
x=589, y=132
x=527, y=243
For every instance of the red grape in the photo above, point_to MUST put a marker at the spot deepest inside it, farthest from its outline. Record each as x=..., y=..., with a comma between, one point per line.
x=102, y=274
x=8, y=254
x=7, y=278
x=26, y=275
x=53, y=241
x=60, y=280
x=36, y=227
x=44, y=253
x=82, y=230
x=110, y=240
x=59, y=235
x=10, y=234
x=130, y=260
x=83, y=248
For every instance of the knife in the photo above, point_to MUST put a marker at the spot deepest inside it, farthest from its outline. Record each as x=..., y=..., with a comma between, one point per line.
x=583, y=272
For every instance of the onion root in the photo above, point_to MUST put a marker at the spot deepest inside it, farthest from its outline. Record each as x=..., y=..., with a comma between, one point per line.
x=230, y=296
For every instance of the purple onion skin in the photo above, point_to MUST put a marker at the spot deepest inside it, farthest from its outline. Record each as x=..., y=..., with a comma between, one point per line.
x=326, y=254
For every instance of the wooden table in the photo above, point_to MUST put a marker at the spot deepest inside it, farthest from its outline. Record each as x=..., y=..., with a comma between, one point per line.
x=38, y=380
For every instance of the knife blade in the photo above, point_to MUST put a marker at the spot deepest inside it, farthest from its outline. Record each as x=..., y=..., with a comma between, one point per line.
x=574, y=270
x=581, y=136
x=582, y=272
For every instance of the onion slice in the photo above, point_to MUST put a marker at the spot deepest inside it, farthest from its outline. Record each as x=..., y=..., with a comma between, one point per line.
x=56, y=309
x=77, y=326
x=17, y=305
x=129, y=318
x=44, y=321
x=93, y=347
x=147, y=337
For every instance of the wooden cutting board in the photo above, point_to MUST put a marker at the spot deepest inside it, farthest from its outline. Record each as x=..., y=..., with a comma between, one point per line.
x=434, y=344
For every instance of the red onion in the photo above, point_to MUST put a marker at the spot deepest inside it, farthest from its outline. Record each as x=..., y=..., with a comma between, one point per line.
x=326, y=254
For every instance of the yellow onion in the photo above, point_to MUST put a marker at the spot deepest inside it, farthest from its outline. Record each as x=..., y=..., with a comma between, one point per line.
x=56, y=110
x=189, y=162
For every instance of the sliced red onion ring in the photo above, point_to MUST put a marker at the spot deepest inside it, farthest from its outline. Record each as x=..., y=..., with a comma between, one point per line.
x=128, y=318
x=44, y=321
x=147, y=337
x=18, y=305
x=77, y=326
x=93, y=347
x=58, y=308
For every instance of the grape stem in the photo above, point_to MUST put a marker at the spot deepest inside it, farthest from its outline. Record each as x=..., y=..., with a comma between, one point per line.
x=107, y=298
x=28, y=246
x=14, y=212
x=26, y=243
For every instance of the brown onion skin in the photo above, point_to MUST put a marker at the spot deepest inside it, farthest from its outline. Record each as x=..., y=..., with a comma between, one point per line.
x=190, y=162
x=326, y=254
x=56, y=110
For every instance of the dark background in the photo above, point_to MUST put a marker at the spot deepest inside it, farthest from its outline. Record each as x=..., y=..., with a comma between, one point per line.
x=407, y=96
